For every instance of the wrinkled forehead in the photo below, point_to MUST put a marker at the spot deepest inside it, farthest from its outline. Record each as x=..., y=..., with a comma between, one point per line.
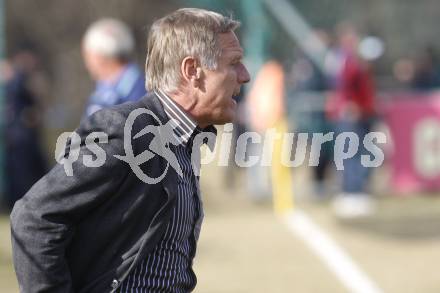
x=230, y=44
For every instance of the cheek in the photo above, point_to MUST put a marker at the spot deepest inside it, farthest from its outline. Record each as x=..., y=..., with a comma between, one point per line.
x=233, y=74
x=226, y=85
x=219, y=89
x=219, y=86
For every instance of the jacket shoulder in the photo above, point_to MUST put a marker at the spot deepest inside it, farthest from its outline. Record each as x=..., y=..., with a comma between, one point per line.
x=113, y=119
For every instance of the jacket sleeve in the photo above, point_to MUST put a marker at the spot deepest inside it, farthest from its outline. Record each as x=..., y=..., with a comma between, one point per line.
x=43, y=221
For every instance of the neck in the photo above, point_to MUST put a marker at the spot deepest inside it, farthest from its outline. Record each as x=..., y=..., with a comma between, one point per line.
x=112, y=72
x=187, y=102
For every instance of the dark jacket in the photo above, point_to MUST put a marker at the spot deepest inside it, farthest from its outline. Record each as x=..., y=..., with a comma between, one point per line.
x=85, y=233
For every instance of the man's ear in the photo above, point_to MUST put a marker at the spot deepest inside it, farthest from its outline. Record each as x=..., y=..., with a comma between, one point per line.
x=191, y=71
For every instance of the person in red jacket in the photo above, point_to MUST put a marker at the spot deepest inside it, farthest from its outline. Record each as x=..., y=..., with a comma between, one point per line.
x=353, y=110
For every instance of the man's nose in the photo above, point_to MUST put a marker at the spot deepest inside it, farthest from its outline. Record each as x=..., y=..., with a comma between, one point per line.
x=243, y=75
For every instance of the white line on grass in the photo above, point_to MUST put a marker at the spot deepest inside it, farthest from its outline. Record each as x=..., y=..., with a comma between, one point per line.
x=333, y=255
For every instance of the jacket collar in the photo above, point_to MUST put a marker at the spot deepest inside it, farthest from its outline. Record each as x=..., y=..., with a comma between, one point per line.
x=152, y=102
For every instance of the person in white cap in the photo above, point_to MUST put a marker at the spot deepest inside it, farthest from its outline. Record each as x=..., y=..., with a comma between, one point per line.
x=107, y=48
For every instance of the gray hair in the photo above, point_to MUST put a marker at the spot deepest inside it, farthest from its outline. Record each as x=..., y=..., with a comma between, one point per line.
x=185, y=32
x=109, y=37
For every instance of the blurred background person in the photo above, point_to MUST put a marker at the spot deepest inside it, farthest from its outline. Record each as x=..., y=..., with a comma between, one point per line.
x=427, y=70
x=265, y=107
x=353, y=110
x=311, y=86
x=24, y=159
x=108, y=46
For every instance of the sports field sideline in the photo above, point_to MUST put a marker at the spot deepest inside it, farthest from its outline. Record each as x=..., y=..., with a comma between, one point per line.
x=245, y=248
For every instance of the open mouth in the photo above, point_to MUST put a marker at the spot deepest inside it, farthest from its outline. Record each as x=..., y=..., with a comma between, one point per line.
x=236, y=95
